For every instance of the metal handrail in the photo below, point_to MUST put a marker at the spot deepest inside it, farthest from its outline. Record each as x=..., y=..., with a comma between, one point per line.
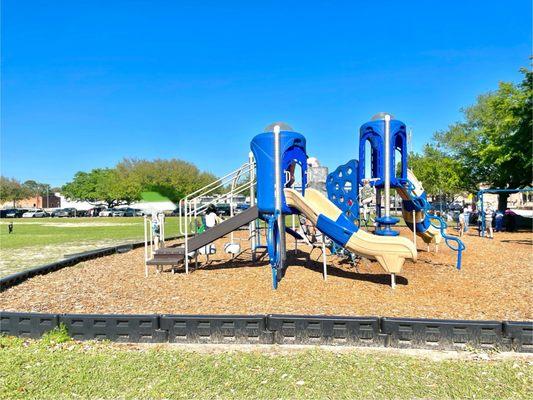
x=188, y=206
x=221, y=181
x=221, y=199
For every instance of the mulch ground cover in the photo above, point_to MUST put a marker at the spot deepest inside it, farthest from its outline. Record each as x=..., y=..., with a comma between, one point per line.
x=495, y=282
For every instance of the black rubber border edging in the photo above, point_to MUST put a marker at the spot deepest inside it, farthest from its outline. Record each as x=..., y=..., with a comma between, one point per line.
x=261, y=329
x=278, y=329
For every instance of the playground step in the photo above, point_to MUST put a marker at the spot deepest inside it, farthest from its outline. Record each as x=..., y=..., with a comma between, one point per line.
x=170, y=251
x=168, y=260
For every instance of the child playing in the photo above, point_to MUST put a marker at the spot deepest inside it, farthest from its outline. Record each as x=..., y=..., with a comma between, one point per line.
x=367, y=195
x=211, y=217
x=462, y=223
x=488, y=221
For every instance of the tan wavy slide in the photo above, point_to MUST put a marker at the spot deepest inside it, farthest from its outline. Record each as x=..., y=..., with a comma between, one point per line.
x=431, y=234
x=390, y=251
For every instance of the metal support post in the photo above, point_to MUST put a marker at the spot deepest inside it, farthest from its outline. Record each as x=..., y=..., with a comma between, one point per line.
x=253, y=224
x=387, y=166
x=145, y=248
x=278, y=197
x=324, y=258
x=414, y=227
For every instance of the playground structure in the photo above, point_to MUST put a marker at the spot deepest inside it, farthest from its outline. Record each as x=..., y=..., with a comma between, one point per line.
x=269, y=177
x=495, y=191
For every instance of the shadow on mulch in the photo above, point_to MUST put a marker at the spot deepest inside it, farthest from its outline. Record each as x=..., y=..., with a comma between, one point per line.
x=436, y=263
x=317, y=266
x=242, y=260
x=518, y=241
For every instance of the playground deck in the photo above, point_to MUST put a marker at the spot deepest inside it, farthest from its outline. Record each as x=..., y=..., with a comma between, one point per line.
x=496, y=282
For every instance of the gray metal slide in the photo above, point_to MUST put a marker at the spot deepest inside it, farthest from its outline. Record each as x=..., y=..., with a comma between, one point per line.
x=172, y=256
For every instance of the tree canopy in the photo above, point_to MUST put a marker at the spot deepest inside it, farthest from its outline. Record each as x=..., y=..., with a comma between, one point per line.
x=440, y=174
x=125, y=182
x=12, y=190
x=493, y=144
x=101, y=184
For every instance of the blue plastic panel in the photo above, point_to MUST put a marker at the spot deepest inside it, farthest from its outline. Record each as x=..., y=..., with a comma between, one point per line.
x=343, y=189
x=292, y=149
x=374, y=132
x=339, y=231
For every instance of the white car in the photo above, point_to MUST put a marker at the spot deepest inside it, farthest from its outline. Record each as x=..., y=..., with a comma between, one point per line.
x=117, y=213
x=35, y=214
x=106, y=213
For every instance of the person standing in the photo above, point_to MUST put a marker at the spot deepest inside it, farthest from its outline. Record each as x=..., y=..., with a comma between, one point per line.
x=156, y=230
x=368, y=193
x=509, y=220
x=498, y=218
x=10, y=227
x=488, y=212
x=461, y=223
x=468, y=212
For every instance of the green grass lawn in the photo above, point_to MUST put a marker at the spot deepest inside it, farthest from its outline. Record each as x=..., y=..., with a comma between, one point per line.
x=39, y=241
x=48, y=369
x=46, y=231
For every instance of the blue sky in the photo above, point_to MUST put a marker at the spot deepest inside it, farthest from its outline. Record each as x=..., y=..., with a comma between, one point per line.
x=86, y=83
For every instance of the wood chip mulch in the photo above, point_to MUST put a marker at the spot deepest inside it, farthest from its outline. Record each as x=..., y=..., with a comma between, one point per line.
x=496, y=282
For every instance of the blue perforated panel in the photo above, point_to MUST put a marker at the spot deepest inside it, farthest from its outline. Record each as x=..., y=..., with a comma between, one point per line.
x=343, y=189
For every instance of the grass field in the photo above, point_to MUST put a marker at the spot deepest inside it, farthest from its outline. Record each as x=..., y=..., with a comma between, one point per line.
x=56, y=367
x=38, y=241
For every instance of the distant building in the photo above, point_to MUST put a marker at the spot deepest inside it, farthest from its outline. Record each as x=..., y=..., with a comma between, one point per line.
x=50, y=201
x=522, y=200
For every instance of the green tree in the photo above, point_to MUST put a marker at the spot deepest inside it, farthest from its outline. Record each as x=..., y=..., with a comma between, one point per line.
x=172, y=178
x=493, y=143
x=12, y=190
x=125, y=183
x=37, y=188
x=101, y=184
x=440, y=174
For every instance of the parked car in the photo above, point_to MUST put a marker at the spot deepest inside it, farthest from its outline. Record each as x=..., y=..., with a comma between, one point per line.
x=128, y=212
x=118, y=213
x=8, y=213
x=131, y=212
x=106, y=213
x=64, y=212
x=241, y=207
x=16, y=212
x=38, y=213
x=223, y=209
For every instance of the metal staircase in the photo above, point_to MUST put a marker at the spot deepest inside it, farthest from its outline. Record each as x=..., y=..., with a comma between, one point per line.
x=192, y=206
